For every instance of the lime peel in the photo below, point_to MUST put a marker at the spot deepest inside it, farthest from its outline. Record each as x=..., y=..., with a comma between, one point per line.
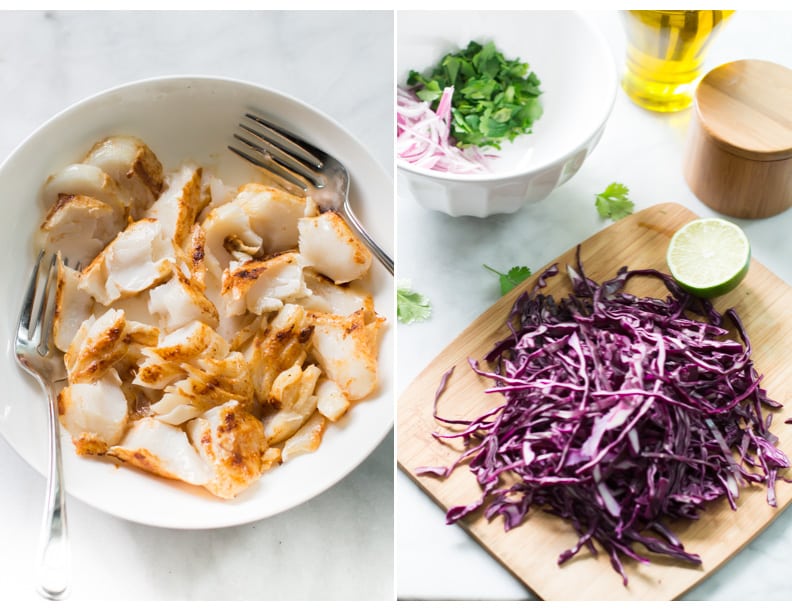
x=709, y=257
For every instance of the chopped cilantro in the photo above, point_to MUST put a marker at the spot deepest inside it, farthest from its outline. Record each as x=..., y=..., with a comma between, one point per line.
x=494, y=98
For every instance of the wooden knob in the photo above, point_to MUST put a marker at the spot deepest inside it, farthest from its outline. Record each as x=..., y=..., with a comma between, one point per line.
x=739, y=155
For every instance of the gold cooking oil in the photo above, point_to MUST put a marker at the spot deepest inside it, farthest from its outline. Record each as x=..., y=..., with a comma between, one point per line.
x=665, y=55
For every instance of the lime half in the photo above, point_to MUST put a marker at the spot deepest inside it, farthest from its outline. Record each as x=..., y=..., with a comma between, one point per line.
x=709, y=257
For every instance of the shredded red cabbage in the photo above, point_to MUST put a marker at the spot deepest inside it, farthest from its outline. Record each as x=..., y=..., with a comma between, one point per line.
x=620, y=413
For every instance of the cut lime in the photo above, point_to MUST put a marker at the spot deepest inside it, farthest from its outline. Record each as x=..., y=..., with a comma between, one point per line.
x=709, y=257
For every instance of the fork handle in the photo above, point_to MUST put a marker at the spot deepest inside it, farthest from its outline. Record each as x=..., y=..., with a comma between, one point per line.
x=379, y=253
x=54, y=551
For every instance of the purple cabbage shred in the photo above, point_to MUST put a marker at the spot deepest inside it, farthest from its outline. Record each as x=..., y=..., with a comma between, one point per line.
x=620, y=414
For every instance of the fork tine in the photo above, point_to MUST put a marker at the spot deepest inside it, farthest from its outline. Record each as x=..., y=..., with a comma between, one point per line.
x=41, y=334
x=270, y=149
x=26, y=312
x=271, y=153
x=49, y=314
x=289, y=142
x=269, y=164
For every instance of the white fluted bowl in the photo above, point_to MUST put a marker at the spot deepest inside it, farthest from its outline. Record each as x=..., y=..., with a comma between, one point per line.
x=579, y=82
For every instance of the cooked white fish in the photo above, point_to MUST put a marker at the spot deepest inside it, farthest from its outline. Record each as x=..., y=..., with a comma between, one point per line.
x=98, y=344
x=94, y=413
x=306, y=439
x=331, y=248
x=180, y=301
x=214, y=332
x=277, y=346
x=293, y=402
x=87, y=180
x=331, y=401
x=274, y=214
x=208, y=383
x=231, y=441
x=162, y=449
x=80, y=226
x=178, y=205
x=346, y=349
x=72, y=306
x=228, y=237
x=138, y=258
x=260, y=286
x=325, y=296
x=133, y=166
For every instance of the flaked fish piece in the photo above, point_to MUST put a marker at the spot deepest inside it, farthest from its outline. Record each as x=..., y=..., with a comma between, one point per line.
x=273, y=215
x=177, y=207
x=228, y=237
x=94, y=413
x=162, y=449
x=87, y=180
x=306, y=439
x=138, y=337
x=346, y=349
x=190, y=341
x=279, y=345
x=153, y=372
x=231, y=441
x=194, y=255
x=133, y=166
x=229, y=373
x=138, y=258
x=208, y=383
x=220, y=192
x=96, y=347
x=80, y=226
x=292, y=402
x=135, y=307
x=263, y=286
x=180, y=301
x=331, y=400
x=326, y=296
x=72, y=306
x=330, y=247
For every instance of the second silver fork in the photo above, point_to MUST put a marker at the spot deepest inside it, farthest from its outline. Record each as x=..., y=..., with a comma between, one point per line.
x=35, y=353
x=307, y=167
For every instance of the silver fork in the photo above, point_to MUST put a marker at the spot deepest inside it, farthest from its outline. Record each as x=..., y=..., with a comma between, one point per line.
x=35, y=353
x=308, y=168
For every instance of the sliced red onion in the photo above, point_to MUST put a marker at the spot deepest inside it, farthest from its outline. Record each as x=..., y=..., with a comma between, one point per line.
x=423, y=136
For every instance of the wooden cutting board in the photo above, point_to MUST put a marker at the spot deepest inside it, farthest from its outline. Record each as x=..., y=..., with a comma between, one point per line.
x=763, y=301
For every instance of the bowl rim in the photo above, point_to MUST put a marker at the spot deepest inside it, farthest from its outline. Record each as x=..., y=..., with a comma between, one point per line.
x=175, y=78
x=493, y=177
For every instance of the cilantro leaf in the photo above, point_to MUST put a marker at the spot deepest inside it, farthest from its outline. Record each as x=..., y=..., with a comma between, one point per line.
x=411, y=306
x=613, y=203
x=512, y=278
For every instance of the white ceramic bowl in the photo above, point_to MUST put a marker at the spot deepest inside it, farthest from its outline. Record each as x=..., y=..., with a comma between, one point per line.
x=184, y=118
x=579, y=83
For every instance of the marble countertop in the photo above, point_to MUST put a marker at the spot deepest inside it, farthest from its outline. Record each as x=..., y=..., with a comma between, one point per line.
x=441, y=256
x=337, y=546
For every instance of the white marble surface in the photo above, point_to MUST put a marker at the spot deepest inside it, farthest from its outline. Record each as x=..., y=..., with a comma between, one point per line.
x=442, y=256
x=338, y=546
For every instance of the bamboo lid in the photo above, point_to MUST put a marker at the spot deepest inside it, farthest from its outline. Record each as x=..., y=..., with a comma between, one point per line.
x=746, y=107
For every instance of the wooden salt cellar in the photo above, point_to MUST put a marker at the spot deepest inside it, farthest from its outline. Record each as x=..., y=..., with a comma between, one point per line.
x=738, y=159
